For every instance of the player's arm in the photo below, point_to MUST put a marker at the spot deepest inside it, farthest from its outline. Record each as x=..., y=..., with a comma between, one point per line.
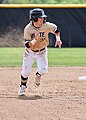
x=55, y=30
x=27, y=38
x=58, y=40
x=29, y=43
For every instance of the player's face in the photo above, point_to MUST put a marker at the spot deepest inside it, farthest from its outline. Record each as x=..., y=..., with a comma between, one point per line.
x=40, y=21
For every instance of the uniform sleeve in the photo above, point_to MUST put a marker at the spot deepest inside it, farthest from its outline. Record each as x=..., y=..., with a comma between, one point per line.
x=27, y=34
x=52, y=27
x=57, y=31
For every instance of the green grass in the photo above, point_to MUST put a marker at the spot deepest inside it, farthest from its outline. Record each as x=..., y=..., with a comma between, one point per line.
x=56, y=57
x=11, y=56
x=67, y=57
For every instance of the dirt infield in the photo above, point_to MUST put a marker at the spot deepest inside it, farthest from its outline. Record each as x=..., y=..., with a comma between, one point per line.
x=61, y=96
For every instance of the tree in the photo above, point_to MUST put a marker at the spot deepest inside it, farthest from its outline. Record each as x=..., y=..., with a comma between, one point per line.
x=1, y=1
x=43, y=1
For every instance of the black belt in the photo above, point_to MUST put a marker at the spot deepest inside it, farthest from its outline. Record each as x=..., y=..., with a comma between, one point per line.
x=38, y=50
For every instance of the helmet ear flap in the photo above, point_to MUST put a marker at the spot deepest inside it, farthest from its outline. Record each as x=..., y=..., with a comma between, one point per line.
x=44, y=20
x=34, y=19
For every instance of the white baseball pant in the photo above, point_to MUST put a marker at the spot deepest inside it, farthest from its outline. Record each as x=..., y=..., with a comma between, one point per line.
x=30, y=57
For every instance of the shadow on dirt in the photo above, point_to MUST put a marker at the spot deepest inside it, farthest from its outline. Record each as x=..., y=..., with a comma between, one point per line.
x=33, y=97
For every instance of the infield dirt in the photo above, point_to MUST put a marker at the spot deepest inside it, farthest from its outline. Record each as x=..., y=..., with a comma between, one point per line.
x=61, y=96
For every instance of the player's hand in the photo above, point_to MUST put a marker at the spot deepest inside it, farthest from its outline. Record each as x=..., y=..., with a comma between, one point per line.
x=33, y=42
x=58, y=43
x=36, y=35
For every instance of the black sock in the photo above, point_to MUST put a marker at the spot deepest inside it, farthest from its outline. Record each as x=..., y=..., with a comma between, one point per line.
x=23, y=79
x=38, y=74
x=23, y=84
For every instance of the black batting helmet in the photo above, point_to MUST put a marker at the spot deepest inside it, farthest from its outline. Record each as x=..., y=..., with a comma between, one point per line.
x=37, y=13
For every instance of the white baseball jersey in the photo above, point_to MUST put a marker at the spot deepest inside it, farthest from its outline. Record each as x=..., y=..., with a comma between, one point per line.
x=42, y=42
x=29, y=33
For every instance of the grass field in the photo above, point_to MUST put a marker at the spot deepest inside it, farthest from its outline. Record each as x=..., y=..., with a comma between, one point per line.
x=57, y=57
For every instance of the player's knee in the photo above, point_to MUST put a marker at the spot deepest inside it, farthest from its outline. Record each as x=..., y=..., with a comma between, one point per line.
x=44, y=71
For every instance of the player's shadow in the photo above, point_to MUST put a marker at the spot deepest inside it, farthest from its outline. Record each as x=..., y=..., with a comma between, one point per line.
x=32, y=97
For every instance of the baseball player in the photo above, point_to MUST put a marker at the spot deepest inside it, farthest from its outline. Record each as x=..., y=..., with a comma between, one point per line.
x=36, y=42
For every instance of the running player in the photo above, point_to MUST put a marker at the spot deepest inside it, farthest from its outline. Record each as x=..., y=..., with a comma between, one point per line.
x=36, y=42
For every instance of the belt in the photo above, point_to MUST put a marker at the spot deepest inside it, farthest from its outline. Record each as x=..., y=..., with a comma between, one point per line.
x=38, y=50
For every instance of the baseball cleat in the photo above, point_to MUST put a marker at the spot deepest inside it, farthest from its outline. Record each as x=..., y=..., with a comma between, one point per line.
x=37, y=80
x=22, y=90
